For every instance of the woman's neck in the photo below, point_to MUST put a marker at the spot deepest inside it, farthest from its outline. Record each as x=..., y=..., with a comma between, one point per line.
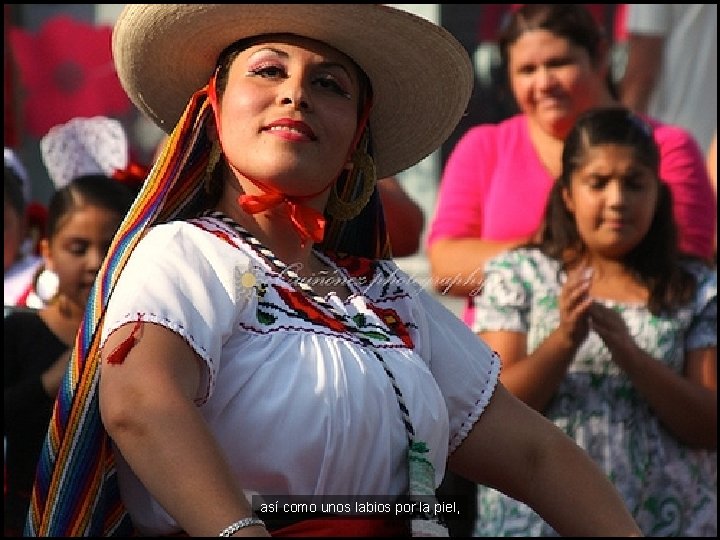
x=549, y=142
x=548, y=148
x=274, y=230
x=63, y=317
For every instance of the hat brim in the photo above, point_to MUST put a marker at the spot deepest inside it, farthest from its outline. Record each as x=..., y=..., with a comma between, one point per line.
x=421, y=76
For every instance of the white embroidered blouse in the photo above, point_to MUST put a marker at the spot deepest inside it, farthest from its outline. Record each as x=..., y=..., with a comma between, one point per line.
x=293, y=391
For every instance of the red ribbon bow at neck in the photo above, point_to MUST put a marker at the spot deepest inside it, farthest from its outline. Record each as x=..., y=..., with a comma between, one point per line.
x=307, y=222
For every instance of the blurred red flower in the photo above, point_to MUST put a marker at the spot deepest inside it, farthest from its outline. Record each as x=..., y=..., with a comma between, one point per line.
x=66, y=70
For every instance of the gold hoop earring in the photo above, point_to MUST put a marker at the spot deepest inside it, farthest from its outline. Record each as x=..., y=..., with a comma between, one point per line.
x=213, y=158
x=361, y=181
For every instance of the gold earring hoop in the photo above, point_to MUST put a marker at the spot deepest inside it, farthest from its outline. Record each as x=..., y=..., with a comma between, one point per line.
x=360, y=183
x=213, y=158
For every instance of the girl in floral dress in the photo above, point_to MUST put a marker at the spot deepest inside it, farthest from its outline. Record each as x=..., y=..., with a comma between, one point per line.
x=610, y=332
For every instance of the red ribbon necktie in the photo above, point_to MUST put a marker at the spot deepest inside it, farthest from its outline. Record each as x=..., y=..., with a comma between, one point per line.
x=307, y=222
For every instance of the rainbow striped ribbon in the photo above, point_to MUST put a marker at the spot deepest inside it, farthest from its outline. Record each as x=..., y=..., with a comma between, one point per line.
x=76, y=491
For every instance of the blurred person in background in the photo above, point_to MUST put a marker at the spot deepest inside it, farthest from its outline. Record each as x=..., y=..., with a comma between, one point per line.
x=84, y=214
x=497, y=179
x=610, y=332
x=20, y=262
x=671, y=72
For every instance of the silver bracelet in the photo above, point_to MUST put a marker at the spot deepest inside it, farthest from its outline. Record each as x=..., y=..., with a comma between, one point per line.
x=241, y=524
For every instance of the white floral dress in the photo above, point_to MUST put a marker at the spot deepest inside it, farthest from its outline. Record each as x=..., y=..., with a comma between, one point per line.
x=670, y=489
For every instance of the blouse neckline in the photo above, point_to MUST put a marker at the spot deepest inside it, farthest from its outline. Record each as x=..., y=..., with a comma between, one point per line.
x=283, y=269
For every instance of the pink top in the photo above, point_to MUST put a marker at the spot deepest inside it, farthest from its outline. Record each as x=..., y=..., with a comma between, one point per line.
x=494, y=187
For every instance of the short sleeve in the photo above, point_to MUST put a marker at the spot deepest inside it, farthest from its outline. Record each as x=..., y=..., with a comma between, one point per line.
x=181, y=277
x=464, y=367
x=504, y=300
x=703, y=329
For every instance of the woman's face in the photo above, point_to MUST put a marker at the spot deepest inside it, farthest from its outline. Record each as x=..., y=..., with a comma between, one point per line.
x=289, y=114
x=77, y=249
x=553, y=81
x=613, y=197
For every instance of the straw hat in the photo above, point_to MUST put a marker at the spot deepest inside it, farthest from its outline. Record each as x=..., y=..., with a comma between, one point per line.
x=421, y=76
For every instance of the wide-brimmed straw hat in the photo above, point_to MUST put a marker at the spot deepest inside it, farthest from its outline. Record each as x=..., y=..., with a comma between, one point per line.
x=421, y=75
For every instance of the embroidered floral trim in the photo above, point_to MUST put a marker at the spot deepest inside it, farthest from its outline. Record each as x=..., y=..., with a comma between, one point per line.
x=304, y=308
x=360, y=268
x=301, y=303
x=391, y=318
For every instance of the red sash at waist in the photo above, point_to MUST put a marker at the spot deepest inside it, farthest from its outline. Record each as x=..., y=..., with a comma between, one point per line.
x=337, y=526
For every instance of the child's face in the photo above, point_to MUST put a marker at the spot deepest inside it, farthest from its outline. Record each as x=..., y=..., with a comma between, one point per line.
x=78, y=248
x=613, y=197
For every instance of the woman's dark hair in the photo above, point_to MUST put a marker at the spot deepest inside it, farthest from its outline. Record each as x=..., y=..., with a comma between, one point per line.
x=96, y=190
x=14, y=191
x=570, y=21
x=655, y=259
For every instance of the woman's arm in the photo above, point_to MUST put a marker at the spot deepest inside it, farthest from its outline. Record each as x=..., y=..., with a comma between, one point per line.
x=146, y=403
x=456, y=251
x=685, y=403
x=683, y=168
x=536, y=377
x=644, y=65
x=516, y=450
x=469, y=205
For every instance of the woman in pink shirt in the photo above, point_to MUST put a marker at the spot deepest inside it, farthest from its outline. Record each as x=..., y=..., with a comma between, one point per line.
x=497, y=179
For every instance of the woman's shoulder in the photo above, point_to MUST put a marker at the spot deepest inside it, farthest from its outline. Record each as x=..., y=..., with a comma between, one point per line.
x=670, y=136
x=484, y=143
x=185, y=250
x=705, y=275
x=165, y=233
x=201, y=234
x=705, y=297
x=527, y=264
x=525, y=255
x=170, y=229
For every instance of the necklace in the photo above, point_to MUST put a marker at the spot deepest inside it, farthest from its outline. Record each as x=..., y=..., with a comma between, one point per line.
x=279, y=265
